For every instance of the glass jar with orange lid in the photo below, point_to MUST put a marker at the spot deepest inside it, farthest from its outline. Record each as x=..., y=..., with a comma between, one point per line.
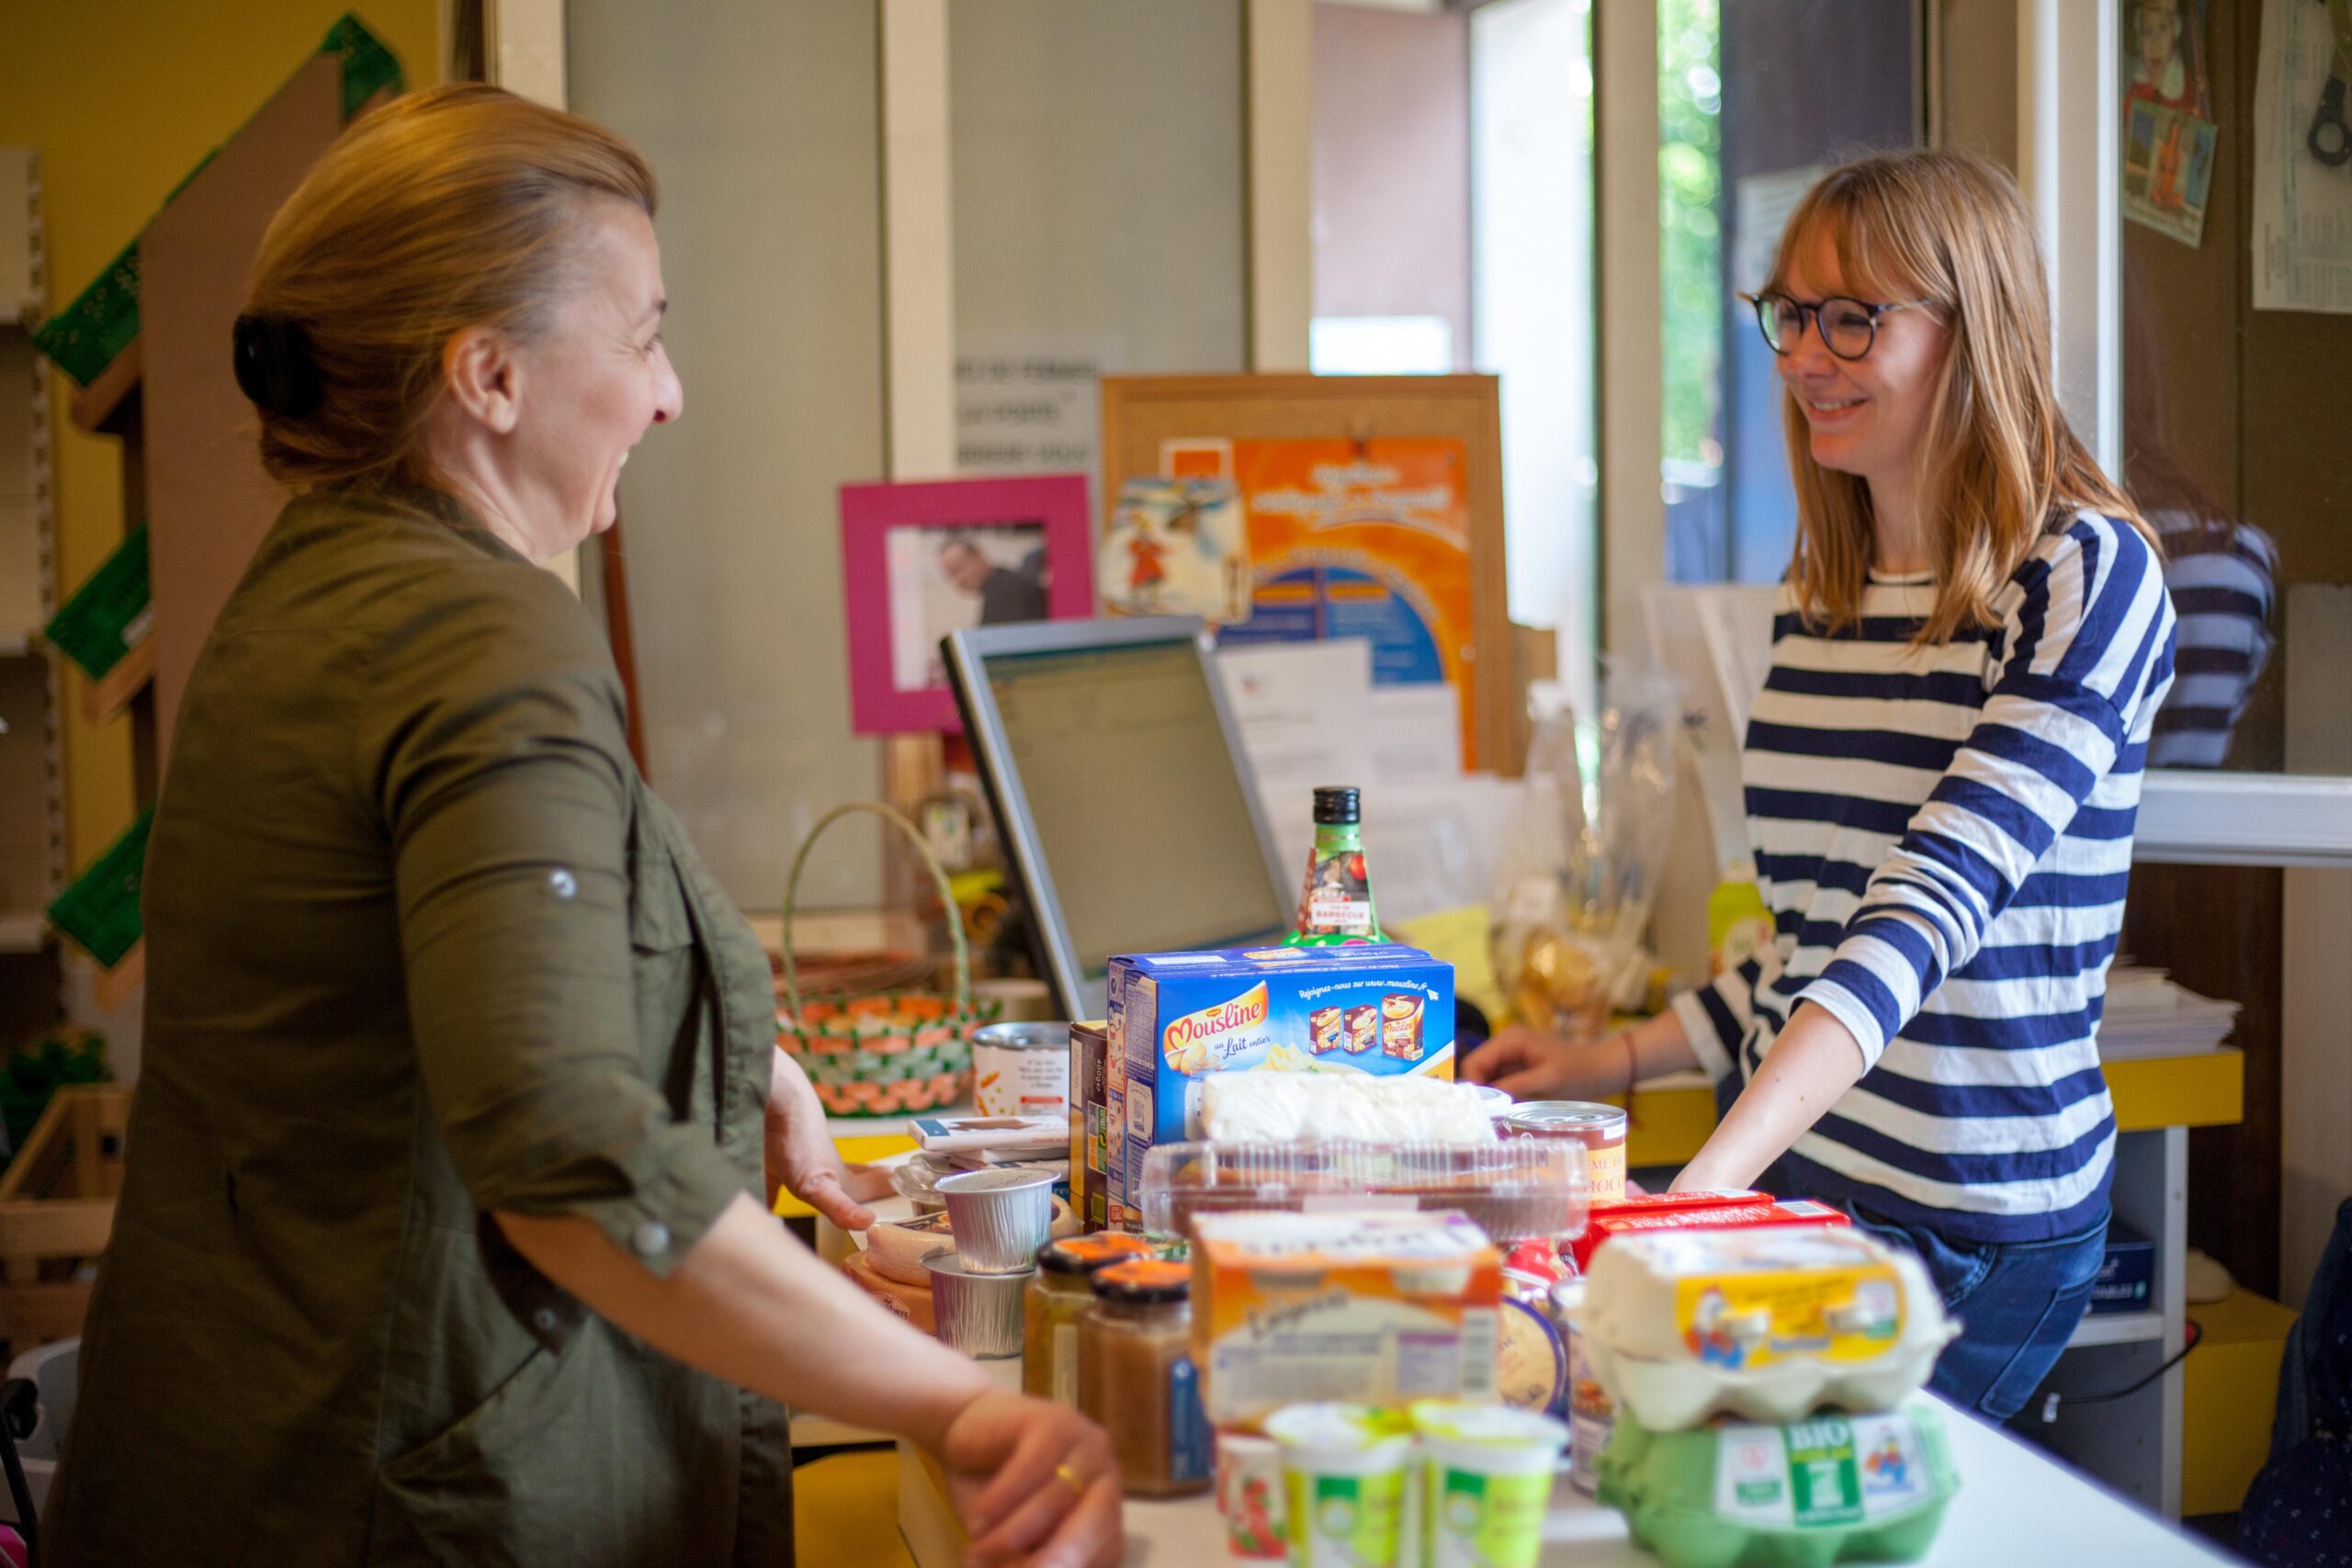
x=1137, y=1379
x=1058, y=1295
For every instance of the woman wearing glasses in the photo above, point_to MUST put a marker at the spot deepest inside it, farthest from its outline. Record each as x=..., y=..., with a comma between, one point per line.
x=1943, y=772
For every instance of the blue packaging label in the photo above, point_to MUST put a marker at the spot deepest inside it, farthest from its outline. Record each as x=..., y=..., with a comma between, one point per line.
x=1190, y=1455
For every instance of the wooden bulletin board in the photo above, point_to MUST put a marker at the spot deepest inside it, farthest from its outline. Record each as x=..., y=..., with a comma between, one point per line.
x=1140, y=413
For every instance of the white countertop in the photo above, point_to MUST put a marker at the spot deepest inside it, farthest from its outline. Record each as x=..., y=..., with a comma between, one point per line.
x=2017, y=1507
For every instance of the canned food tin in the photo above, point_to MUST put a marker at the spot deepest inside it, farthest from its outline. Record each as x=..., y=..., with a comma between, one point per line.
x=1021, y=1069
x=1600, y=1128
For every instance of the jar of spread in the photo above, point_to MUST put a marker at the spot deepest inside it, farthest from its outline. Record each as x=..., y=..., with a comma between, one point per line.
x=1058, y=1295
x=1600, y=1128
x=1137, y=1379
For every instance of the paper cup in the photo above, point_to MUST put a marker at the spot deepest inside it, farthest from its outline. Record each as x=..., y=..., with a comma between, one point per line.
x=1001, y=1217
x=1485, y=1483
x=1250, y=1497
x=1344, y=1468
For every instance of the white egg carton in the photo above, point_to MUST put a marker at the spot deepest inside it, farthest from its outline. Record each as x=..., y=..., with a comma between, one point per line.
x=1770, y=1323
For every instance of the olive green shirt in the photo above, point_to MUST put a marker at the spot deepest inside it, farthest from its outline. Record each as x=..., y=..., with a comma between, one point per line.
x=420, y=946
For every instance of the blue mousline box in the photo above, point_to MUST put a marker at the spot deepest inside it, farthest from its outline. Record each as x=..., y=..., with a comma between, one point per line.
x=1175, y=1016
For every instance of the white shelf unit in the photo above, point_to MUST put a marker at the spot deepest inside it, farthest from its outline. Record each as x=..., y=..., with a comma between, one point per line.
x=32, y=826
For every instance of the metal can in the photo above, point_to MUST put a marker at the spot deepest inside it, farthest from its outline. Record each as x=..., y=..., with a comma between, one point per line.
x=1591, y=1414
x=1600, y=1128
x=1021, y=1069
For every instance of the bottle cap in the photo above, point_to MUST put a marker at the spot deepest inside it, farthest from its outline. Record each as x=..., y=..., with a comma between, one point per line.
x=1336, y=804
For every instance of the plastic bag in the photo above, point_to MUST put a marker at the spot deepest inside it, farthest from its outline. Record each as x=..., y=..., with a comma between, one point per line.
x=1580, y=867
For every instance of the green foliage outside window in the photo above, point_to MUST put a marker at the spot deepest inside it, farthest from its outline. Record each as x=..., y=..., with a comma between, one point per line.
x=1690, y=168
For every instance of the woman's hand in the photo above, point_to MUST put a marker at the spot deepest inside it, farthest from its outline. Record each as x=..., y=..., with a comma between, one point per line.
x=1528, y=1063
x=801, y=1157
x=1036, y=1483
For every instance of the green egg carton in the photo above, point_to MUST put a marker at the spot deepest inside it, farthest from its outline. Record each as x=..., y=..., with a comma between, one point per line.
x=1837, y=1488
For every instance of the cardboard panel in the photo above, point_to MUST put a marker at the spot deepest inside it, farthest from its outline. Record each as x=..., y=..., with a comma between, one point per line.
x=209, y=501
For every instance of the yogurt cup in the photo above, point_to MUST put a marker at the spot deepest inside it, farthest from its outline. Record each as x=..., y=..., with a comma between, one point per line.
x=1486, y=1483
x=1345, y=1472
x=1250, y=1497
x=1497, y=1103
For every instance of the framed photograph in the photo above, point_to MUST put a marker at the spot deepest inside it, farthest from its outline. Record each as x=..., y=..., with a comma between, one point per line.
x=921, y=559
x=1371, y=507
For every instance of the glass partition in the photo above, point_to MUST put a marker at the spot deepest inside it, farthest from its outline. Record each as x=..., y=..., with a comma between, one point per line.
x=762, y=123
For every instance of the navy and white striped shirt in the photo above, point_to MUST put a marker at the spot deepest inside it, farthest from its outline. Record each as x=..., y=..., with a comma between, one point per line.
x=1943, y=836
x=2224, y=585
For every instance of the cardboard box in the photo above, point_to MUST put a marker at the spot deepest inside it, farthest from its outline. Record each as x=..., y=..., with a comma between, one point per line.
x=2127, y=1275
x=1089, y=1190
x=1177, y=1017
x=1376, y=1307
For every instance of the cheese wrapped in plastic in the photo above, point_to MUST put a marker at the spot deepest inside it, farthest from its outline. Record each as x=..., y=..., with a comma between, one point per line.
x=1288, y=1108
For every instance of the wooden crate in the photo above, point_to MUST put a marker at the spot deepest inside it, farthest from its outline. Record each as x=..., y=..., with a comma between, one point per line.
x=56, y=1212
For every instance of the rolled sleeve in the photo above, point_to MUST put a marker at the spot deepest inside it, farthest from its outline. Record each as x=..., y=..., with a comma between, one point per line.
x=494, y=738
x=1716, y=1016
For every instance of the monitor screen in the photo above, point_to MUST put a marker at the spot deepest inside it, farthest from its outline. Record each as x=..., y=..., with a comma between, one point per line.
x=1136, y=803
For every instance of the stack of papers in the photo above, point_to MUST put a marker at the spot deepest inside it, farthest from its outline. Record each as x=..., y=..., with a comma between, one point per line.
x=2148, y=1015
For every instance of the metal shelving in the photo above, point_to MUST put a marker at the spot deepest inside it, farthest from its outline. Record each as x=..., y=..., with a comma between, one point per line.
x=33, y=841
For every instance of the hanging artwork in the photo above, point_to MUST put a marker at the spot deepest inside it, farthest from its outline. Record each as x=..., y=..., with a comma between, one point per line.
x=2169, y=133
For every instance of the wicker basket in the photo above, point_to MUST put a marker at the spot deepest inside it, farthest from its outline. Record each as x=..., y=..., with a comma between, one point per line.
x=882, y=1053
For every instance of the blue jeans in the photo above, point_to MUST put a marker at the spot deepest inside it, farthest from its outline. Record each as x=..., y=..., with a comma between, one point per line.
x=2018, y=1303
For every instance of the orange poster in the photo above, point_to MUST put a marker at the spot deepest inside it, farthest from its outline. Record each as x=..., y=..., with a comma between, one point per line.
x=1368, y=539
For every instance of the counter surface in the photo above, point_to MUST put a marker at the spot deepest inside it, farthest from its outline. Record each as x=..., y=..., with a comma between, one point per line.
x=2016, y=1506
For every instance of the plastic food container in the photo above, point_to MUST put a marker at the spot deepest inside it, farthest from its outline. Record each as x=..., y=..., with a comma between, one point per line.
x=1856, y=1488
x=1344, y=1472
x=1600, y=1129
x=1770, y=1323
x=1511, y=1189
x=1485, y=1480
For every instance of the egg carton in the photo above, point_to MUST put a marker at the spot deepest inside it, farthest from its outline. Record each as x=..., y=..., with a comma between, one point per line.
x=1767, y=1325
x=1866, y=1488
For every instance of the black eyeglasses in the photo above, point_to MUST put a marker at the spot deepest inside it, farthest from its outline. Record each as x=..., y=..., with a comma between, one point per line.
x=1848, y=327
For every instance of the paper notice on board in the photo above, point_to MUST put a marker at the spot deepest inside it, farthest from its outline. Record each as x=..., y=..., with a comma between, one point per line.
x=1027, y=406
x=2302, y=208
x=1305, y=712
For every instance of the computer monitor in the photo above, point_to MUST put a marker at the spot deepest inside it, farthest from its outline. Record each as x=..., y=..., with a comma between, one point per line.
x=1122, y=790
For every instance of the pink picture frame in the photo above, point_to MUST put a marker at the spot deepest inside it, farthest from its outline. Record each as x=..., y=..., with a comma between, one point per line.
x=923, y=557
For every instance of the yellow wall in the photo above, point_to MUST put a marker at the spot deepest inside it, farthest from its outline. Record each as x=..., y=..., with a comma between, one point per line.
x=120, y=98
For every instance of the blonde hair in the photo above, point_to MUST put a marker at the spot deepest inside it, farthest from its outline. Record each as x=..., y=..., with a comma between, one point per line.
x=1999, y=463
x=447, y=209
